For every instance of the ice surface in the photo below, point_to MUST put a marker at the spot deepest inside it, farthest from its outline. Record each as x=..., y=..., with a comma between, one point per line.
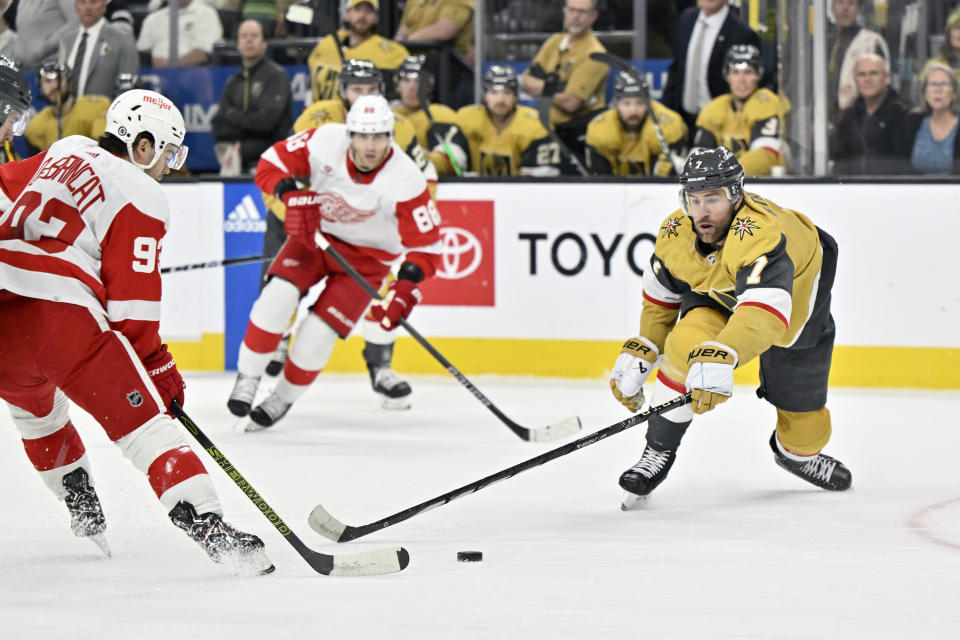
x=730, y=546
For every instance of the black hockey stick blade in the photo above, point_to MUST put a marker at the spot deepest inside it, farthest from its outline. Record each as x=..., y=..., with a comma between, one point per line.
x=371, y=563
x=325, y=524
x=228, y=262
x=546, y=433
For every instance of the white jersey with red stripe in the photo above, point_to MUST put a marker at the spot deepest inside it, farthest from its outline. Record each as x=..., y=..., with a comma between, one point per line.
x=85, y=227
x=384, y=213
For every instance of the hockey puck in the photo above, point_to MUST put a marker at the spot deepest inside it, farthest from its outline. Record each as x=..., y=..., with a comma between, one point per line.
x=469, y=556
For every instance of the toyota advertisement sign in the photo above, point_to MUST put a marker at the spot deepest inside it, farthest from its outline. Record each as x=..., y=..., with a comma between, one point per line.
x=466, y=273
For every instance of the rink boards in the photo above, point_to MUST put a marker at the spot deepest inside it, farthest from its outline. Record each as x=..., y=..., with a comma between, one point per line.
x=545, y=279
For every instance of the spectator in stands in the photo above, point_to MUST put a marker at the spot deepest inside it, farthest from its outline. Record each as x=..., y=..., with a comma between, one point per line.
x=97, y=51
x=749, y=119
x=563, y=71
x=8, y=37
x=359, y=41
x=700, y=44
x=254, y=109
x=409, y=76
x=929, y=134
x=847, y=41
x=863, y=140
x=198, y=30
x=950, y=50
x=623, y=141
x=67, y=114
x=38, y=22
x=439, y=21
x=500, y=137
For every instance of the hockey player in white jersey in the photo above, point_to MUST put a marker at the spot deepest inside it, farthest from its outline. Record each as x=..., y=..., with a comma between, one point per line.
x=371, y=202
x=79, y=319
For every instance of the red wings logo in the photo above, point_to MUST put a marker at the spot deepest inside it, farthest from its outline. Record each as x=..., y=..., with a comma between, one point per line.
x=336, y=209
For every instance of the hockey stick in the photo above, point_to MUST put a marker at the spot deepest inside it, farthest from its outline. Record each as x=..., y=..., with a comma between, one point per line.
x=329, y=527
x=554, y=431
x=620, y=64
x=371, y=563
x=229, y=262
x=424, y=101
x=543, y=110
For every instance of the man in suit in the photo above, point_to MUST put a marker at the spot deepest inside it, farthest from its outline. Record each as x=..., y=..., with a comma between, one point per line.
x=96, y=50
x=702, y=39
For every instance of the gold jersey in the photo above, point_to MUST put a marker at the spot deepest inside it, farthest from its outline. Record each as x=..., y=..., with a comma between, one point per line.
x=430, y=138
x=612, y=150
x=764, y=275
x=88, y=117
x=579, y=74
x=418, y=14
x=752, y=133
x=326, y=111
x=523, y=143
x=325, y=63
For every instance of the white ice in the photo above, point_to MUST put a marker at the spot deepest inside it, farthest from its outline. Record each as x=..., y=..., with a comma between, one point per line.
x=730, y=546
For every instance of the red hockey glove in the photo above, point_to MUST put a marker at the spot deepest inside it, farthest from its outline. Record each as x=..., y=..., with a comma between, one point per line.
x=303, y=213
x=397, y=304
x=163, y=372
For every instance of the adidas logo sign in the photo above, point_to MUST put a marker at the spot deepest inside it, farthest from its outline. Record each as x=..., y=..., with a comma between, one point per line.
x=245, y=218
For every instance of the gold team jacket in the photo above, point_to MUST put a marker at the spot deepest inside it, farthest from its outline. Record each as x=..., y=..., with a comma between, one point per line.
x=632, y=154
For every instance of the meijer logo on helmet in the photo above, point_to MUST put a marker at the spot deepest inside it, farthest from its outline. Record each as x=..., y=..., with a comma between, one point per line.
x=163, y=104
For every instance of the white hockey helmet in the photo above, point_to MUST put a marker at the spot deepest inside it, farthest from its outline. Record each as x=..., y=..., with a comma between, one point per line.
x=137, y=111
x=370, y=114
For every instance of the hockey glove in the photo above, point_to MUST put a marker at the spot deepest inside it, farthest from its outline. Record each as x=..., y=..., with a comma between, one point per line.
x=551, y=85
x=163, y=372
x=710, y=380
x=397, y=304
x=636, y=360
x=303, y=213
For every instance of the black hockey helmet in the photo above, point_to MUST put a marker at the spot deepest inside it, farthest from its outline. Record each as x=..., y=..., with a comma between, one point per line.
x=707, y=169
x=415, y=67
x=740, y=54
x=126, y=82
x=500, y=75
x=628, y=85
x=53, y=70
x=360, y=72
x=15, y=96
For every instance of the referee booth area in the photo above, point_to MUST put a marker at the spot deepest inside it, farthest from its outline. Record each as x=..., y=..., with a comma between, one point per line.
x=543, y=278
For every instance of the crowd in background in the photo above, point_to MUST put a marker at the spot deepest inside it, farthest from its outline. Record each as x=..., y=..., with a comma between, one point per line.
x=721, y=87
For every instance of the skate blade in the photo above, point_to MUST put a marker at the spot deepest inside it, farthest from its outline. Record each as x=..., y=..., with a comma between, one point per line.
x=396, y=404
x=101, y=541
x=632, y=502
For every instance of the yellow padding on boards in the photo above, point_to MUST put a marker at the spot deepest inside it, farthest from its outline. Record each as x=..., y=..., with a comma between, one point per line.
x=205, y=355
x=804, y=433
x=930, y=367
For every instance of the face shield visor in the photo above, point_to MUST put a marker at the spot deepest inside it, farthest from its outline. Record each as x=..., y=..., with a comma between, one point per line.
x=175, y=155
x=13, y=119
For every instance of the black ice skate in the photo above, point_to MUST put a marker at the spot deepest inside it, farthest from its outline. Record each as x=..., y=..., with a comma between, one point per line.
x=394, y=392
x=279, y=357
x=642, y=478
x=268, y=412
x=244, y=391
x=86, y=515
x=822, y=470
x=244, y=552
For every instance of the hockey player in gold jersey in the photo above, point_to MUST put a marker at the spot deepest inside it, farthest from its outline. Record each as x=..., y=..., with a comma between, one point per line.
x=358, y=78
x=409, y=76
x=733, y=277
x=67, y=115
x=748, y=120
x=623, y=141
x=501, y=138
x=359, y=41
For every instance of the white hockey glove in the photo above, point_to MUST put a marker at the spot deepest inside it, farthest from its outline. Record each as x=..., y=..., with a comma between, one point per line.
x=710, y=380
x=637, y=359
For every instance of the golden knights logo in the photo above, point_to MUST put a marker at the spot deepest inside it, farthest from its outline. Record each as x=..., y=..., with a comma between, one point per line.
x=743, y=226
x=669, y=229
